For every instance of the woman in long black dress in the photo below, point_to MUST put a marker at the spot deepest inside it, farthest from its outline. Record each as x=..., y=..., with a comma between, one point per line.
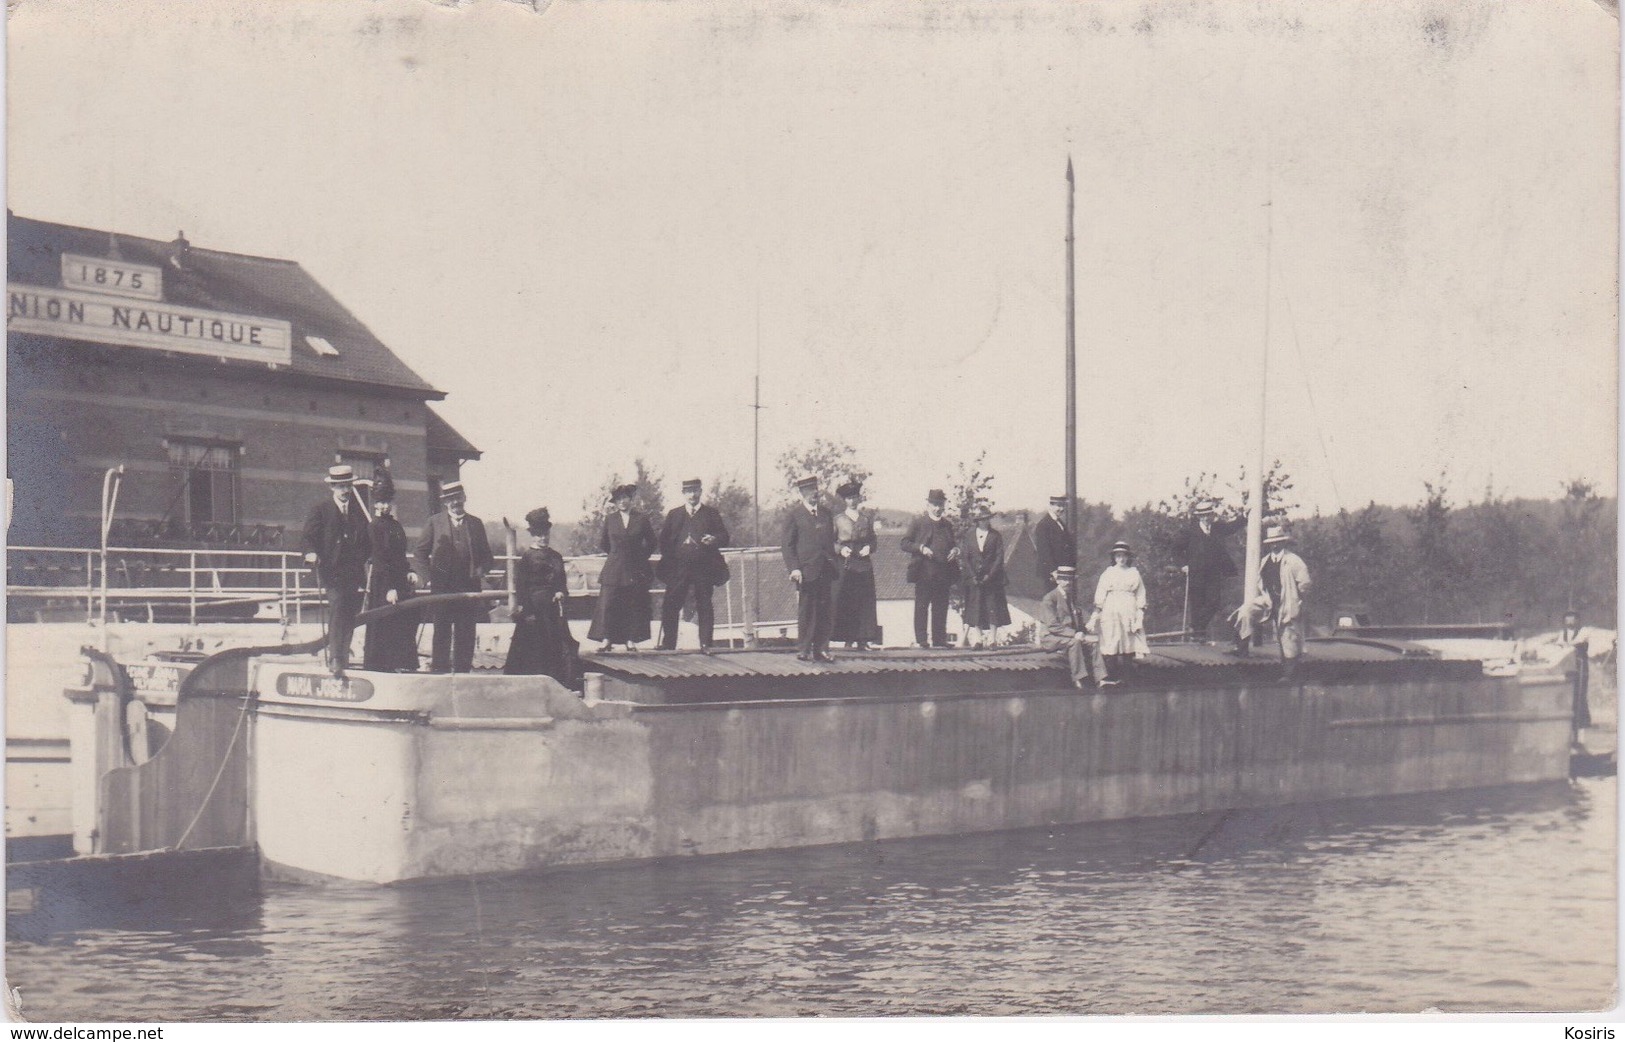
x=622, y=616
x=391, y=645
x=541, y=638
x=986, y=606
x=856, y=619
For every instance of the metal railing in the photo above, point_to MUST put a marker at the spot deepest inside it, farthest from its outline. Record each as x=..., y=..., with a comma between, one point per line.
x=144, y=583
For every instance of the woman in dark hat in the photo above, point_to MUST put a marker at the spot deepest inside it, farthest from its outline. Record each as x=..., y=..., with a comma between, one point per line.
x=541, y=638
x=856, y=619
x=982, y=554
x=390, y=645
x=1120, y=613
x=622, y=615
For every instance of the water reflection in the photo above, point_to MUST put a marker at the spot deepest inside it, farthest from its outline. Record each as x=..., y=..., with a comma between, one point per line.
x=1495, y=899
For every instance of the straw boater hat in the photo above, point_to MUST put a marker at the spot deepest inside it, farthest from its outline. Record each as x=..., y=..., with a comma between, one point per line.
x=936, y=495
x=1205, y=506
x=692, y=485
x=629, y=489
x=1120, y=547
x=342, y=474
x=850, y=489
x=1066, y=572
x=1275, y=535
x=538, y=521
x=810, y=481
x=451, y=490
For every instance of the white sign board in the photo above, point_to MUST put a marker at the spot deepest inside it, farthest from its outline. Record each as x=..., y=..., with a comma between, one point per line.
x=99, y=275
x=102, y=319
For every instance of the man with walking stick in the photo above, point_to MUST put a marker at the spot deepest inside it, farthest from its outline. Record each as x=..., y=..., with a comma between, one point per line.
x=337, y=543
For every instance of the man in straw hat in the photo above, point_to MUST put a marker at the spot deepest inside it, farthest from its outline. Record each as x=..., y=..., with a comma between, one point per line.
x=808, y=544
x=337, y=543
x=934, y=568
x=691, y=542
x=1054, y=541
x=1283, y=579
x=1061, y=628
x=1208, y=564
x=452, y=555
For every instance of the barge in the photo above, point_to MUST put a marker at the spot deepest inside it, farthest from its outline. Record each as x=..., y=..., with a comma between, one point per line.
x=390, y=777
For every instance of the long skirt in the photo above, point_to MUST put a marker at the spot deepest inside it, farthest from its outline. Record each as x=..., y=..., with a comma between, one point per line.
x=986, y=607
x=621, y=616
x=856, y=617
x=1118, y=618
x=542, y=646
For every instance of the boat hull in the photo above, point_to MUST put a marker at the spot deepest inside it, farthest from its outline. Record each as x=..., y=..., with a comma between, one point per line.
x=432, y=776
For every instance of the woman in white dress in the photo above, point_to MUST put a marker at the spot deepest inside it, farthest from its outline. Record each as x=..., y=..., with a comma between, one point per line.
x=1120, y=613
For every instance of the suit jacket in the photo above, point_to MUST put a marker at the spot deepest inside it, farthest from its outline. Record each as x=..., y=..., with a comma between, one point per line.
x=340, y=540
x=939, y=536
x=808, y=543
x=1055, y=546
x=1205, y=553
x=682, y=556
x=984, y=567
x=1058, y=620
x=629, y=544
x=857, y=535
x=448, y=564
x=389, y=564
x=1293, y=576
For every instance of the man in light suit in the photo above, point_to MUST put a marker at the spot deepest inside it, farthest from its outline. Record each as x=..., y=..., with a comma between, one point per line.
x=452, y=555
x=1283, y=579
x=336, y=541
x=691, y=543
x=808, y=543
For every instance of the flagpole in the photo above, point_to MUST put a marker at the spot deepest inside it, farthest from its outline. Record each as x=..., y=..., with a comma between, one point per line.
x=1071, y=367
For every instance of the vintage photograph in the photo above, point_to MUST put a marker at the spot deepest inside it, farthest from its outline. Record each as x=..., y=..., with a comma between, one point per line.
x=549, y=510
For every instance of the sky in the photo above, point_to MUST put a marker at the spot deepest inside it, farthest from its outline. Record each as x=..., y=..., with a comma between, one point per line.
x=585, y=222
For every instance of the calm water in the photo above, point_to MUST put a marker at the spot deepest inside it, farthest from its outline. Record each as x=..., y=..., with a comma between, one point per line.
x=1490, y=900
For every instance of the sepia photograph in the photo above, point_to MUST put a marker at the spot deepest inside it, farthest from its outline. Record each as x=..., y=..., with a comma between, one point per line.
x=651, y=510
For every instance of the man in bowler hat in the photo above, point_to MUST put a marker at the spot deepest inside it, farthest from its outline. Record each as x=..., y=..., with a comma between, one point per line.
x=337, y=542
x=452, y=554
x=808, y=544
x=691, y=542
x=933, y=570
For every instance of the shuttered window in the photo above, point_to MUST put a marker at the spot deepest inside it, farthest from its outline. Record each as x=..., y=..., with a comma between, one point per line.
x=207, y=473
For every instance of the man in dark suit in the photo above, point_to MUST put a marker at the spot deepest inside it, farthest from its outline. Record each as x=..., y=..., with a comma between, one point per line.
x=1208, y=563
x=452, y=555
x=808, y=543
x=691, y=543
x=337, y=543
x=1055, y=542
x=934, y=569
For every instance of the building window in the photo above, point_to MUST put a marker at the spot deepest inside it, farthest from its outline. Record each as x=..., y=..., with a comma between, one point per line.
x=208, y=476
x=365, y=464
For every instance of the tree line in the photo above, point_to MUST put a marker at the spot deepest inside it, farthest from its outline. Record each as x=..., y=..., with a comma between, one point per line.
x=1490, y=559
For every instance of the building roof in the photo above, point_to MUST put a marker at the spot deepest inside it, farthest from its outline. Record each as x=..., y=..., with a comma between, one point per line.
x=232, y=282
x=443, y=440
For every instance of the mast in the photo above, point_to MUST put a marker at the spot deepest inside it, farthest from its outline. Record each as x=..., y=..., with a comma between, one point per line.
x=753, y=602
x=1255, y=496
x=1071, y=368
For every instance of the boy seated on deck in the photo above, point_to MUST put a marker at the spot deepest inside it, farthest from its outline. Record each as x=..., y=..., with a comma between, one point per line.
x=1061, y=628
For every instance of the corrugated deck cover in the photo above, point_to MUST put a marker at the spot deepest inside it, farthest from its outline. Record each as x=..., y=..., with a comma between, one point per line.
x=671, y=665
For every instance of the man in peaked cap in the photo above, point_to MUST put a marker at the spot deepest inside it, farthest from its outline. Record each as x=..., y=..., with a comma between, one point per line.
x=934, y=569
x=808, y=544
x=1055, y=541
x=452, y=555
x=337, y=542
x=691, y=542
x=1283, y=579
x=1207, y=563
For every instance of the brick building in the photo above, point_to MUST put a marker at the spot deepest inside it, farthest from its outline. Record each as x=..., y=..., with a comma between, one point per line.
x=225, y=384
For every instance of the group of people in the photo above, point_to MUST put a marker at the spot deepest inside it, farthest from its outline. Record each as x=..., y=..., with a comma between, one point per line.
x=363, y=564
